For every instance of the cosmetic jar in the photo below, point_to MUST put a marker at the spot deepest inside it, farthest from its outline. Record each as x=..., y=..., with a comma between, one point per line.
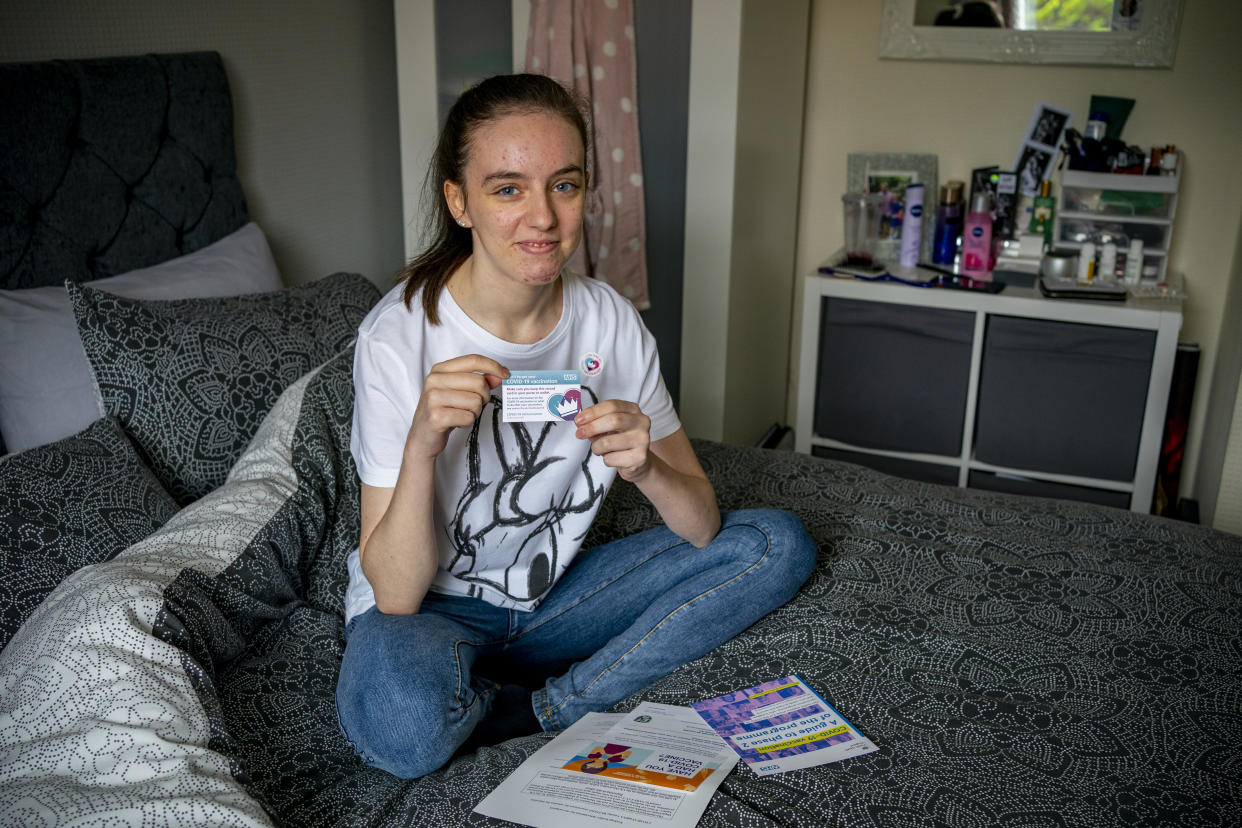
x=1059, y=264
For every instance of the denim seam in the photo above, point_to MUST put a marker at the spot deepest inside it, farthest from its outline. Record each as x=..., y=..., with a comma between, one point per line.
x=361, y=754
x=364, y=756
x=551, y=711
x=461, y=705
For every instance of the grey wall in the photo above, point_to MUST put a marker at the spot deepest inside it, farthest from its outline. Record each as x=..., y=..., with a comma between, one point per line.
x=474, y=41
x=662, y=32
x=315, y=100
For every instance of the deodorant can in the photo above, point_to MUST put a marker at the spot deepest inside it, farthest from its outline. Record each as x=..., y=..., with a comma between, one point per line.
x=912, y=226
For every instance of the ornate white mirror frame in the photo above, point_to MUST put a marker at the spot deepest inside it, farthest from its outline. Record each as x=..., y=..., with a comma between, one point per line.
x=1153, y=46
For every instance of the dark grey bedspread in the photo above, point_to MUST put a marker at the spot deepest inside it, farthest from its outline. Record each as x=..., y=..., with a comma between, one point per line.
x=1020, y=662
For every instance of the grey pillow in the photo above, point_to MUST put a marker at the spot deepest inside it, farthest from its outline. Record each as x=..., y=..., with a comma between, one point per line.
x=192, y=379
x=45, y=383
x=67, y=504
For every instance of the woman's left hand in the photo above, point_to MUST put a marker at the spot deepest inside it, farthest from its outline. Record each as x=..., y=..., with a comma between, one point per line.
x=620, y=433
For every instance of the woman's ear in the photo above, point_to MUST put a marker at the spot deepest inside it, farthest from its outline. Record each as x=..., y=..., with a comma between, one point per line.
x=455, y=198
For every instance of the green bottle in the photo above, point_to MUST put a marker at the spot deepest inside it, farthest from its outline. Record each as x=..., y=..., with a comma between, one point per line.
x=1041, y=212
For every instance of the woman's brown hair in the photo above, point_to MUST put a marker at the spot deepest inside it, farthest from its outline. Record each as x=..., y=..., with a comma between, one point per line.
x=451, y=244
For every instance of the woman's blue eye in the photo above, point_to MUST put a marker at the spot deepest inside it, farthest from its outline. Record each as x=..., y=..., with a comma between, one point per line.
x=565, y=187
x=507, y=190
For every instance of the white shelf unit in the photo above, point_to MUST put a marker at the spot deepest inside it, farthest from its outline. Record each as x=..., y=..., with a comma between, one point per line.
x=1164, y=320
x=1097, y=202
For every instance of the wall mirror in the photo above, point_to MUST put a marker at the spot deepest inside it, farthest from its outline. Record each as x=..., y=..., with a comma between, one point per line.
x=1090, y=32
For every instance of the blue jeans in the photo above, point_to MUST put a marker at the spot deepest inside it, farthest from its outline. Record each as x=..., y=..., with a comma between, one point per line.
x=624, y=614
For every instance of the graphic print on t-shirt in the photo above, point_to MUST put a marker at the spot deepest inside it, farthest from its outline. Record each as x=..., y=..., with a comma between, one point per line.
x=510, y=518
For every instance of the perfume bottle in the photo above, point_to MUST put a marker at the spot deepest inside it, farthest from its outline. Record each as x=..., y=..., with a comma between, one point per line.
x=948, y=223
x=977, y=239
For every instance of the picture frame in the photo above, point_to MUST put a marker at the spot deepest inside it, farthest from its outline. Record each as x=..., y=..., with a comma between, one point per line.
x=891, y=172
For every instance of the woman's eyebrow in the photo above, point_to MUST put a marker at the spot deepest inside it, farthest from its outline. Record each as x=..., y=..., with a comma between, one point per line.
x=502, y=175
x=511, y=175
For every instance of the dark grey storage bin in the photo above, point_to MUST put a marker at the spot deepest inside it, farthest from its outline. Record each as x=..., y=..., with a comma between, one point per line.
x=1062, y=397
x=899, y=466
x=1044, y=488
x=893, y=376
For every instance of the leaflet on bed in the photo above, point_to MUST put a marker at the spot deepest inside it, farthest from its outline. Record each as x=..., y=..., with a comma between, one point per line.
x=656, y=765
x=783, y=725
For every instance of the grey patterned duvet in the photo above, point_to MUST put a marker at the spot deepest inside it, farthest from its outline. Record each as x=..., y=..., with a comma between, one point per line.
x=1019, y=661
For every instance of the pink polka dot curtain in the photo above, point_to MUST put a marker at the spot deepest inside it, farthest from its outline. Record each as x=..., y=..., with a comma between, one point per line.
x=589, y=45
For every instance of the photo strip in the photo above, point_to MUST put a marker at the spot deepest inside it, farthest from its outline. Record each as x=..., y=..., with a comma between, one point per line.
x=1037, y=154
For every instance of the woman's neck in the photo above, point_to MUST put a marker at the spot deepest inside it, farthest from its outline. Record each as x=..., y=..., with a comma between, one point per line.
x=522, y=314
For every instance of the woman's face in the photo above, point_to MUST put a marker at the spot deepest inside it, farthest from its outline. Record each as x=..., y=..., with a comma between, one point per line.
x=523, y=194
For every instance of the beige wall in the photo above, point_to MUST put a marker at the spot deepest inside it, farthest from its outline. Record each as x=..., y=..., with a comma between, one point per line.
x=315, y=99
x=773, y=55
x=1219, y=487
x=747, y=63
x=973, y=114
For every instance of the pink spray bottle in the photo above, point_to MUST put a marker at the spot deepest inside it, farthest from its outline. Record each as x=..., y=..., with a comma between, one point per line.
x=977, y=239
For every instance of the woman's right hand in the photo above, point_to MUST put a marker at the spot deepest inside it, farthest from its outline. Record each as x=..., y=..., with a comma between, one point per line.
x=453, y=395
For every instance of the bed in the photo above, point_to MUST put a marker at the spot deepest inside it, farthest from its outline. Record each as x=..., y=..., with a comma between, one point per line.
x=174, y=567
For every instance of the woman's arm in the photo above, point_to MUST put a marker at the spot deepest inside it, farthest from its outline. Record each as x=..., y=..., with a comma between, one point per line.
x=678, y=487
x=666, y=471
x=396, y=547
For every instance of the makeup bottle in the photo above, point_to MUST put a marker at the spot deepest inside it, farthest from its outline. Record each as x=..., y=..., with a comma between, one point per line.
x=912, y=226
x=1168, y=160
x=1107, y=270
x=1086, y=263
x=1042, y=212
x=1134, y=262
x=977, y=239
x=1153, y=161
x=1097, y=126
x=948, y=223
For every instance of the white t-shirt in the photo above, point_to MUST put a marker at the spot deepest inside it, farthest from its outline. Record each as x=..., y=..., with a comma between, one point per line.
x=513, y=501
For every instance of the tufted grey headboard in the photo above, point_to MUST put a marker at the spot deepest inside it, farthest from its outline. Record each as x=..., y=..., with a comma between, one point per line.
x=112, y=164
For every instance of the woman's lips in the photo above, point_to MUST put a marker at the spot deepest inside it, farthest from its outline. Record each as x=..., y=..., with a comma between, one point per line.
x=538, y=247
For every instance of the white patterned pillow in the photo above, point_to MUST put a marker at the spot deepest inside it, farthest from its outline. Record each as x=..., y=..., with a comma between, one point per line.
x=65, y=505
x=192, y=379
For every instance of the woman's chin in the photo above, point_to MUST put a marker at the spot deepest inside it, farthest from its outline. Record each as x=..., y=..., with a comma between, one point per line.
x=543, y=276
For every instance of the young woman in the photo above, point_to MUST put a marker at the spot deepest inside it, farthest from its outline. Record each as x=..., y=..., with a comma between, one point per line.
x=469, y=558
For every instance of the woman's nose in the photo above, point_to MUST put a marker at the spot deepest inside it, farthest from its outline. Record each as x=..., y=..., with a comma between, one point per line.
x=540, y=213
